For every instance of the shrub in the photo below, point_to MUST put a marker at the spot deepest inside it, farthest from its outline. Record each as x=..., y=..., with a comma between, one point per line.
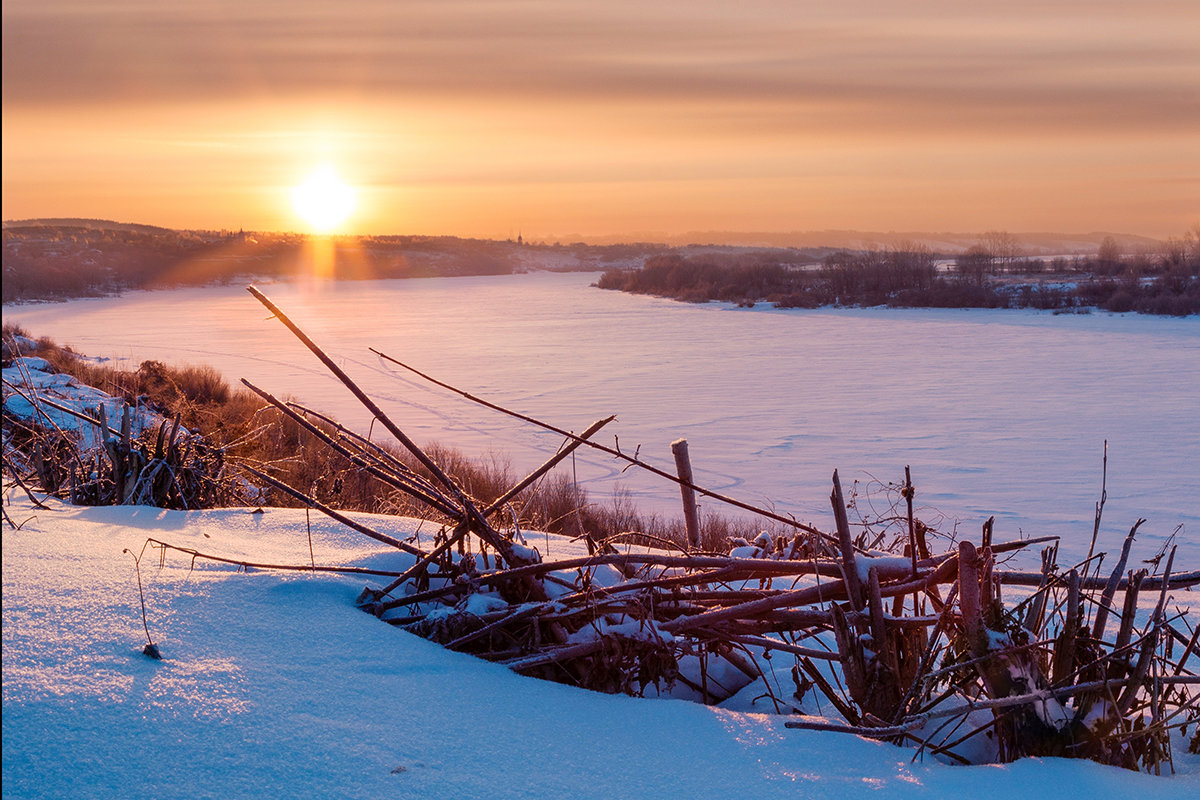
x=1120, y=301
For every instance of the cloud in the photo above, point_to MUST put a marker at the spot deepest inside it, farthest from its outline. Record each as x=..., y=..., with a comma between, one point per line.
x=610, y=113
x=928, y=66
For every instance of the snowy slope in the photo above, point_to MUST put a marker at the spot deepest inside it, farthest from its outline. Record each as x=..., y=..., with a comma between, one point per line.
x=30, y=381
x=273, y=684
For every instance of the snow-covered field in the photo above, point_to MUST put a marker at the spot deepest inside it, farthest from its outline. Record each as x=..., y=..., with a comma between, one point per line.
x=274, y=685
x=998, y=412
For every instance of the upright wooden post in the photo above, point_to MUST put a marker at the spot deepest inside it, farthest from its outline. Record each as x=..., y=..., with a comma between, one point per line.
x=854, y=586
x=908, y=493
x=683, y=466
x=968, y=599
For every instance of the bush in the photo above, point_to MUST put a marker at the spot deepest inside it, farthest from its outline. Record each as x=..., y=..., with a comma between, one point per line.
x=1119, y=301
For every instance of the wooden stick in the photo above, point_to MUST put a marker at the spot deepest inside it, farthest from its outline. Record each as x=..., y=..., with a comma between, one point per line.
x=766, y=644
x=834, y=590
x=753, y=566
x=1178, y=580
x=1064, y=649
x=1114, y=583
x=515, y=616
x=573, y=443
x=909, y=493
x=672, y=583
x=1129, y=611
x=922, y=665
x=852, y=658
x=422, y=564
x=859, y=730
x=1100, y=503
x=1037, y=605
x=1016, y=700
x=1138, y=674
x=377, y=451
x=1166, y=584
x=844, y=708
x=554, y=656
x=258, y=565
x=883, y=641
x=367, y=402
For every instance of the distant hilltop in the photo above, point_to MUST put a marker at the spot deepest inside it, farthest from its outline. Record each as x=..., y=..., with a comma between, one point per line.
x=90, y=224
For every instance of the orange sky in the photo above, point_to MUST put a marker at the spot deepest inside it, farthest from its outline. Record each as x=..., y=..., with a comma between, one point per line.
x=551, y=118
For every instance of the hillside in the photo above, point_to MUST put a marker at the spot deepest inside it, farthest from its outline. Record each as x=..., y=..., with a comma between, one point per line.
x=63, y=258
x=56, y=259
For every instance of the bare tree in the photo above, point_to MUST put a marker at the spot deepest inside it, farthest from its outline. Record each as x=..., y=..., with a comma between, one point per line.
x=975, y=264
x=1003, y=246
x=1109, y=254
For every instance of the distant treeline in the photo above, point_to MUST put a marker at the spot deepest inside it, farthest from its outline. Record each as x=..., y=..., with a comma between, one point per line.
x=80, y=258
x=46, y=262
x=1166, y=283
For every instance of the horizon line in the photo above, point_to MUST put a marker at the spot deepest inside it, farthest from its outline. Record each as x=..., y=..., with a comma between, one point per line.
x=630, y=237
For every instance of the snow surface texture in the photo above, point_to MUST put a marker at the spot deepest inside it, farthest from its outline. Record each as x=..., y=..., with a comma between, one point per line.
x=999, y=412
x=274, y=685
x=34, y=382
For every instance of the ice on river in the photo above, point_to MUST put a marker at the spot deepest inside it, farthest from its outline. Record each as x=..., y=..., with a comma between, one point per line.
x=998, y=412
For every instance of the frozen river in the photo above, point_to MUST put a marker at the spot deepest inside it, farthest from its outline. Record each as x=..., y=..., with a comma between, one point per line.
x=998, y=412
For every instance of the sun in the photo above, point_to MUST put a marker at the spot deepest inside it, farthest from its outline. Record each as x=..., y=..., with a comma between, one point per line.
x=324, y=200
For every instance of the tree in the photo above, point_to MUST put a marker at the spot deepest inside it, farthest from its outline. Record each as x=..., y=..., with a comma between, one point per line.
x=975, y=264
x=1002, y=245
x=1109, y=254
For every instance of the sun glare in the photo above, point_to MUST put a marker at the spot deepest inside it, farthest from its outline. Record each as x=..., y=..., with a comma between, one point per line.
x=324, y=200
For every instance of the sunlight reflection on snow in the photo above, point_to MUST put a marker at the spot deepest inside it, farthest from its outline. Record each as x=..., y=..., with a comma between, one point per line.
x=207, y=688
x=752, y=730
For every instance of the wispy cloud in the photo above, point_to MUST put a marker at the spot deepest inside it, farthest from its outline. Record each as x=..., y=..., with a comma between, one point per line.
x=1045, y=63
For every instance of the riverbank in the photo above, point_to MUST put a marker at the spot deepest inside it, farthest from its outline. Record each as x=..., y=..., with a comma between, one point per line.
x=911, y=279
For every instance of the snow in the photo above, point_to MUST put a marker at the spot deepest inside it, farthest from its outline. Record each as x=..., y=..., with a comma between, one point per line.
x=745, y=551
x=641, y=630
x=999, y=412
x=34, y=382
x=274, y=684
